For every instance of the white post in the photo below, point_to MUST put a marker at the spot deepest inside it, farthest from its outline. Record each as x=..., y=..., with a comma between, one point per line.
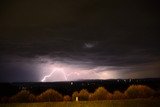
x=76, y=98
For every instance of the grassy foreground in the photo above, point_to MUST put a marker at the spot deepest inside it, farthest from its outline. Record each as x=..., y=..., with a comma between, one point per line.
x=110, y=103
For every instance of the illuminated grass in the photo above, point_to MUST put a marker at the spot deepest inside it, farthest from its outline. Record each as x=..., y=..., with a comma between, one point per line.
x=111, y=103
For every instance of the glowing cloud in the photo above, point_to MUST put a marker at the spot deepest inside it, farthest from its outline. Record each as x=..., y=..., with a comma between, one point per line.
x=60, y=71
x=47, y=69
x=90, y=44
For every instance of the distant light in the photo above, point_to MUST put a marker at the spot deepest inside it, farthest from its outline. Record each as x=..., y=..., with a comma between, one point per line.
x=130, y=80
x=71, y=83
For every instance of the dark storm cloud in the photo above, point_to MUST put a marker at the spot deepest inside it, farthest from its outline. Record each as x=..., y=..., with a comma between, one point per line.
x=79, y=13
x=113, y=50
x=94, y=32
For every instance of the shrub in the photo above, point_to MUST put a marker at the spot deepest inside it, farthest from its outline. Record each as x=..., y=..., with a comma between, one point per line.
x=50, y=95
x=74, y=95
x=23, y=96
x=100, y=94
x=83, y=95
x=67, y=98
x=109, y=96
x=139, y=91
x=117, y=95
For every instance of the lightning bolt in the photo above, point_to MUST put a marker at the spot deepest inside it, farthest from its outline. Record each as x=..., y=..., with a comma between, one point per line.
x=47, y=76
x=65, y=76
x=55, y=70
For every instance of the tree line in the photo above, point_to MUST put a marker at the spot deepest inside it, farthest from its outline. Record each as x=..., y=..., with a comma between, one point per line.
x=51, y=95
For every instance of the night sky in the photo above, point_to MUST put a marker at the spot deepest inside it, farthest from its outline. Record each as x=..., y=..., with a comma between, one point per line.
x=70, y=40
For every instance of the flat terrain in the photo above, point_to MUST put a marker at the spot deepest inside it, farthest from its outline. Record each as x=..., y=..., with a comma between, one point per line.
x=111, y=103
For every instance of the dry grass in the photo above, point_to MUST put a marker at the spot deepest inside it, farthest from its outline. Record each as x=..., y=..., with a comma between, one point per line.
x=108, y=103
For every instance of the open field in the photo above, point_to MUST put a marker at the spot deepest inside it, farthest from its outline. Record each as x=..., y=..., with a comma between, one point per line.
x=109, y=103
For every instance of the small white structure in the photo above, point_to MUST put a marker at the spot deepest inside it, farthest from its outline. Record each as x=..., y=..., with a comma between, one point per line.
x=76, y=98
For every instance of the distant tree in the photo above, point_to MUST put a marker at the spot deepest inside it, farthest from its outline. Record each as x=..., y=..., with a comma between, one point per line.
x=139, y=91
x=50, y=95
x=66, y=98
x=74, y=95
x=83, y=95
x=23, y=96
x=100, y=94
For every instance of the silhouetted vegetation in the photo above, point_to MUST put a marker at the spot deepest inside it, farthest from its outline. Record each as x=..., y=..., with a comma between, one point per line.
x=74, y=95
x=139, y=91
x=66, y=98
x=51, y=95
x=100, y=94
x=117, y=95
x=23, y=96
x=83, y=95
